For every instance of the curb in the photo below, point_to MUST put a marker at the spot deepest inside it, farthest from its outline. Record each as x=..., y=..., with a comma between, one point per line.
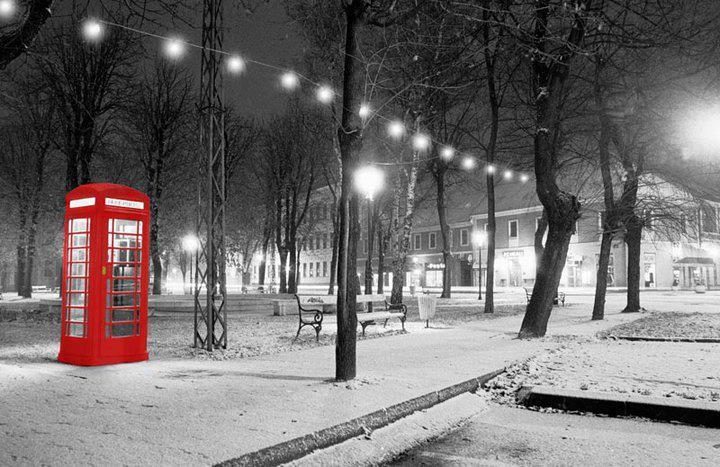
x=691, y=412
x=701, y=340
x=301, y=446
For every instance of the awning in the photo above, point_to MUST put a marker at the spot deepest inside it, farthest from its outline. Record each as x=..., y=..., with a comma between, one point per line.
x=695, y=260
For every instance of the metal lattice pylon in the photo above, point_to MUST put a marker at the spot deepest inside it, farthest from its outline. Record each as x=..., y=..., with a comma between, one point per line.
x=210, y=312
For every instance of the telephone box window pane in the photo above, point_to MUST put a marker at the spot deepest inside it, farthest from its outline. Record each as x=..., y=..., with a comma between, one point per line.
x=126, y=226
x=122, y=330
x=76, y=285
x=77, y=299
x=77, y=269
x=77, y=315
x=123, y=285
x=123, y=315
x=79, y=255
x=122, y=300
x=76, y=330
x=79, y=240
x=125, y=241
x=123, y=271
x=80, y=225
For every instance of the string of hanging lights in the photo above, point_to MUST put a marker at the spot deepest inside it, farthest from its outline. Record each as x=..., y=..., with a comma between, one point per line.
x=175, y=47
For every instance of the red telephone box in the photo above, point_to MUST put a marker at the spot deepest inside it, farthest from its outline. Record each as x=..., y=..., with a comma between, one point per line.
x=105, y=275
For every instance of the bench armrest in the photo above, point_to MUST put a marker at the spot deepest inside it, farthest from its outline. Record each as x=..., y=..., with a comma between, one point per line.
x=396, y=306
x=318, y=313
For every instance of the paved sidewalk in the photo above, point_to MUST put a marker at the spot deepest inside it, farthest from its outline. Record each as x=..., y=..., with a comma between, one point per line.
x=201, y=411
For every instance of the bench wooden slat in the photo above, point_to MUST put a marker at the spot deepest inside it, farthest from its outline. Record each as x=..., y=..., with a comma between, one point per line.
x=377, y=315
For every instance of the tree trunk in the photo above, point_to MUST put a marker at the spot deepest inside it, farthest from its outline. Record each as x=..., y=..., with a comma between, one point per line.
x=601, y=280
x=491, y=232
x=400, y=264
x=539, y=246
x=563, y=209
x=439, y=175
x=292, y=262
x=283, y=253
x=17, y=40
x=633, y=238
x=546, y=283
x=267, y=233
x=350, y=143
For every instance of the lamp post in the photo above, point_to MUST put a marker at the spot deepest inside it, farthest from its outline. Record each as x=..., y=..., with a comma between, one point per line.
x=369, y=180
x=479, y=237
x=190, y=244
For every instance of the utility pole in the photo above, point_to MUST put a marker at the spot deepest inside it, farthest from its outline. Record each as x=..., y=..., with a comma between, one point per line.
x=210, y=312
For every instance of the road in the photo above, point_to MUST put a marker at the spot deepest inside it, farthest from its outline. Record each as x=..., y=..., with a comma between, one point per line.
x=512, y=436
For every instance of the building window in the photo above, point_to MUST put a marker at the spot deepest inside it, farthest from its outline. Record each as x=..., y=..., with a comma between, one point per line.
x=416, y=241
x=310, y=243
x=317, y=242
x=325, y=271
x=304, y=269
x=325, y=241
x=513, y=229
x=311, y=270
x=464, y=239
x=432, y=241
x=317, y=269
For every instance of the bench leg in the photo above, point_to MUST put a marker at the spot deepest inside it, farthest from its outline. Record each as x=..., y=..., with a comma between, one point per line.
x=385, y=325
x=317, y=333
x=298, y=333
x=364, y=325
x=402, y=320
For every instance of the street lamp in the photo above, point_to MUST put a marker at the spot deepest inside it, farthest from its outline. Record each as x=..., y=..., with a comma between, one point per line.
x=479, y=237
x=191, y=244
x=369, y=180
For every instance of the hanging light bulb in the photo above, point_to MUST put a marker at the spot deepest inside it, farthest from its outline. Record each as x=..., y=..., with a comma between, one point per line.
x=92, y=30
x=524, y=178
x=7, y=8
x=174, y=48
x=507, y=175
x=364, y=111
x=447, y=153
x=325, y=94
x=236, y=64
x=396, y=129
x=468, y=163
x=490, y=169
x=289, y=80
x=420, y=142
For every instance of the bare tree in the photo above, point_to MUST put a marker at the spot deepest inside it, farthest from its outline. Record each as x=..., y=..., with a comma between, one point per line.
x=159, y=115
x=90, y=82
x=24, y=160
x=17, y=35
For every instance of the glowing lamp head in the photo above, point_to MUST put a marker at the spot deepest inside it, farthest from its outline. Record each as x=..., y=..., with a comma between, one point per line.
x=190, y=243
x=396, y=129
x=174, y=48
x=92, y=30
x=364, y=111
x=479, y=237
x=325, y=94
x=369, y=180
x=236, y=64
x=490, y=169
x=507, y=175
x=420, y=142
x=7, y=8
x=468, y=163
x=447, y=153
x=289, y=80
x=524, y=178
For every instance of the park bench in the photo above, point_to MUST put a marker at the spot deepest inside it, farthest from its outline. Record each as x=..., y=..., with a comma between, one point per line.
x=392, y=310
x=559, y=297
x=311, y=310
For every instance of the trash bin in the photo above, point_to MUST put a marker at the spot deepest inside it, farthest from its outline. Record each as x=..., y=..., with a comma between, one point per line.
x=427, y=304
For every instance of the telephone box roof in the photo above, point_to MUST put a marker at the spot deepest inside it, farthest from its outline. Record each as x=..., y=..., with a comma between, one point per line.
x=106, y=190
